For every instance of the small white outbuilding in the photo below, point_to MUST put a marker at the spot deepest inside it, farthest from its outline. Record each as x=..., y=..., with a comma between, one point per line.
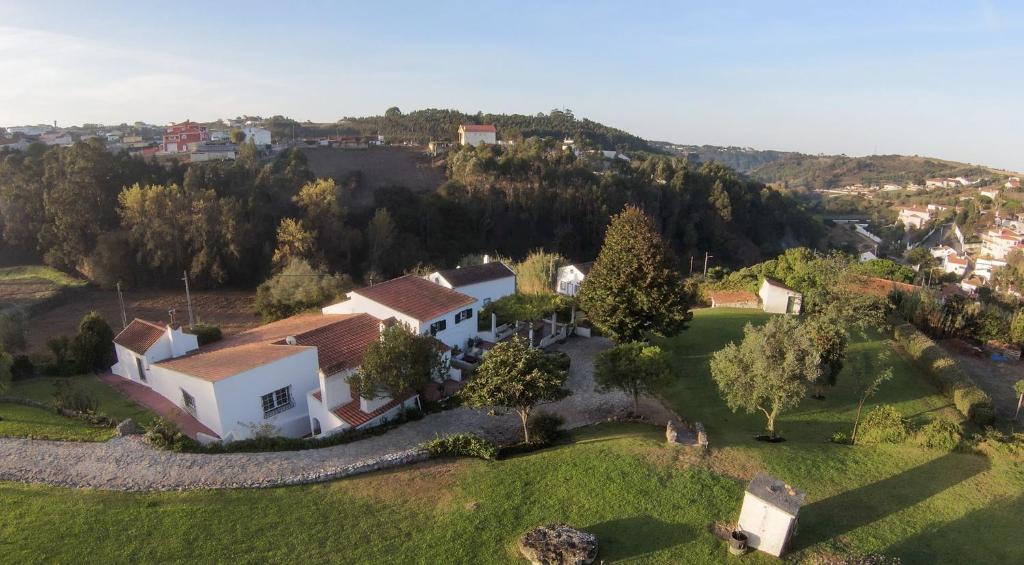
x=777, y=298
x=769, y=514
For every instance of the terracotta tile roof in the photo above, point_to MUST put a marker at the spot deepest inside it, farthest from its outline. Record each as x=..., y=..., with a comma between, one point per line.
x=140, y=335
x=340, y=345
x=465, y=276
x=355, y=417
x=250, y=349
x=477, y=128
x=416, y=297
x=227, y=362
x=733, y=296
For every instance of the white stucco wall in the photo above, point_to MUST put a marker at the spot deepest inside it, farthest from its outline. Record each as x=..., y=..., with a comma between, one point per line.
x=169, y=384
x=775, y=300
x=475, y=138
x=768, y=529
x=452, y=336
x=489, y=290
x=239, y=396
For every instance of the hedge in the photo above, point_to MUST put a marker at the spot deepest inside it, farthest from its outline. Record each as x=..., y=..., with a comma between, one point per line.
x=969, y=399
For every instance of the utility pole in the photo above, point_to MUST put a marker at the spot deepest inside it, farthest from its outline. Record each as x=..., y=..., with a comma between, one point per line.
x=188, y=300
x=120, y=300
x=706, y=257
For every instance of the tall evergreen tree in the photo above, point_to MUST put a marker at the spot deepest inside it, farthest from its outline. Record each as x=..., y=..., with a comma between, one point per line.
x=633, y=289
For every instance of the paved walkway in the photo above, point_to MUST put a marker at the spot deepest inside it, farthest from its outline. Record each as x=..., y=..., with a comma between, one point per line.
x=131, y=465
x=145, y=396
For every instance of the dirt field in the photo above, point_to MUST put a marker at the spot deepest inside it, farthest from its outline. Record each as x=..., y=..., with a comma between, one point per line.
x=232, y=310
x=994, y=377
x=380, y=166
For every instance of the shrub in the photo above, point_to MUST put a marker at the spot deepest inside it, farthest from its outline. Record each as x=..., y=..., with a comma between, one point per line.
x=23, y=368
x=60, y=363
x=939, y=434
x=840, y=437
x=206, y=333
x=93, y=348
x=560, y=359
x=462, y=445
x=164, y=434
x=545, y=428
x=884, y=424
x=69, y=396
x=969, y=399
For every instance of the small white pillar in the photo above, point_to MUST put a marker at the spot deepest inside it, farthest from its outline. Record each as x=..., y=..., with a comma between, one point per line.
x=531, y=335
x=494, y=325
x=769, y=513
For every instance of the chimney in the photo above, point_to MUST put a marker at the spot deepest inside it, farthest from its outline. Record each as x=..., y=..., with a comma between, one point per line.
x=487, y=259
x=290, y=340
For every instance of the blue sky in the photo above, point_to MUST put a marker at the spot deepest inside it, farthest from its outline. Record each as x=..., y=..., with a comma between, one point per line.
x=944, y=79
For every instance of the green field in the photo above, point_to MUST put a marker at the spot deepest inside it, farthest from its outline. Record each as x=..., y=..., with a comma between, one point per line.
x=647, y=503
x=28, y=421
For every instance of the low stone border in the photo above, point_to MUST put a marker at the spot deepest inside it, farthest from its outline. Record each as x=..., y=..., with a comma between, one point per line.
x=384, y=462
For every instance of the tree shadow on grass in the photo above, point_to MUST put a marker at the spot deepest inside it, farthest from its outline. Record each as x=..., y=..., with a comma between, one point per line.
x=847, y=511
x=992, y=532
x=626, y=538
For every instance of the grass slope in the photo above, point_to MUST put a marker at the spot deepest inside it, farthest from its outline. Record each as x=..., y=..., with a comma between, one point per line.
x=646, y=503
x=28, y=421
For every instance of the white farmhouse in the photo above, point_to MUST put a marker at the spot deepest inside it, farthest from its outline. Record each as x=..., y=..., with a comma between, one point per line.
x=143, y=343
x=259, y=136
x=915, y=217
x=486, y=283
x=570, y=277
x=953, y=263
x=423, y=306
x=472, y=134
x=990, y=193
x=778, y=298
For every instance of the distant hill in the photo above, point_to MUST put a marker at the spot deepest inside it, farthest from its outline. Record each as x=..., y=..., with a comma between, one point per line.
x=799, y=170
x=818, y=172
x=741, y=159
x=422, y=126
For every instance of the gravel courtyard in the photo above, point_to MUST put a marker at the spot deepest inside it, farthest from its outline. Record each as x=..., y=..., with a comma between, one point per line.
x=129, y=464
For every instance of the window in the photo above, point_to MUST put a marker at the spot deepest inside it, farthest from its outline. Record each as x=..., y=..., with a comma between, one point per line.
x=438, y=326
x=189, y=402
x=277, y=401
x=141, y=368
x=464, y=315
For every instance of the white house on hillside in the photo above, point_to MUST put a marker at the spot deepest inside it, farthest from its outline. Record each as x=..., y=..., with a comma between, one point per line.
x=471, y=134
x=423, y=306
x=259, y=136
x=915, y=217
x=570, y=277
x=486, y=283
x=143, y=343
x=778, y=298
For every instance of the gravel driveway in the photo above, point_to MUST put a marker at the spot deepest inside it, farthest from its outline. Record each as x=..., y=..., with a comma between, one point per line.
x=129, y=464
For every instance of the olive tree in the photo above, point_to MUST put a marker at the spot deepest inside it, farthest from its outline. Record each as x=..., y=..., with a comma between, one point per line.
x=517, y=377
x=634, y=368
x=769, y=371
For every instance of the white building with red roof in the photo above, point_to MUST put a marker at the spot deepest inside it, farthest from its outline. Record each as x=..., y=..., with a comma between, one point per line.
x=473, y=134
x=953, y=263
x=425, y=307
x=915, y=216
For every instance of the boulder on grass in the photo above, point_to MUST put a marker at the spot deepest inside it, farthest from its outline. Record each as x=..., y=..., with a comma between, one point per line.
x=128, y=428
x=558, y=544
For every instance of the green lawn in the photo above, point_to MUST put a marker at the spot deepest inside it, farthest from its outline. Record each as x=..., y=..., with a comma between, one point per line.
x=647, y=503
x=27, y=421
x=28, y=272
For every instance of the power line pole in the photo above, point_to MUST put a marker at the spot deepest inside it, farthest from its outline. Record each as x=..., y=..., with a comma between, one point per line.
x=706, y=257
x=120, y=300
x=188, y=300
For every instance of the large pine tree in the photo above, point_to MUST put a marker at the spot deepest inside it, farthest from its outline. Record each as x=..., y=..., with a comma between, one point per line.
x=632, y=289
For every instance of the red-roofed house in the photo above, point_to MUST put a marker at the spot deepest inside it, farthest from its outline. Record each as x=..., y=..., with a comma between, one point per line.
x=471, y=134
x=177, y=137
x=425, y=307
x=915, y=216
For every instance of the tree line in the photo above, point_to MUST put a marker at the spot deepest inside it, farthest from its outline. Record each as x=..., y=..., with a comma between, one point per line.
x=114, y=217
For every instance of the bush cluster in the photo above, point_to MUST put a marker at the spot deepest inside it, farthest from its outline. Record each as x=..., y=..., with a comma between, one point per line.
x=969, y=399
x=206, y=333
x=462, y=445
x=883, y=424
x=940, y=434
x=545, y=428
x=68, y=396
